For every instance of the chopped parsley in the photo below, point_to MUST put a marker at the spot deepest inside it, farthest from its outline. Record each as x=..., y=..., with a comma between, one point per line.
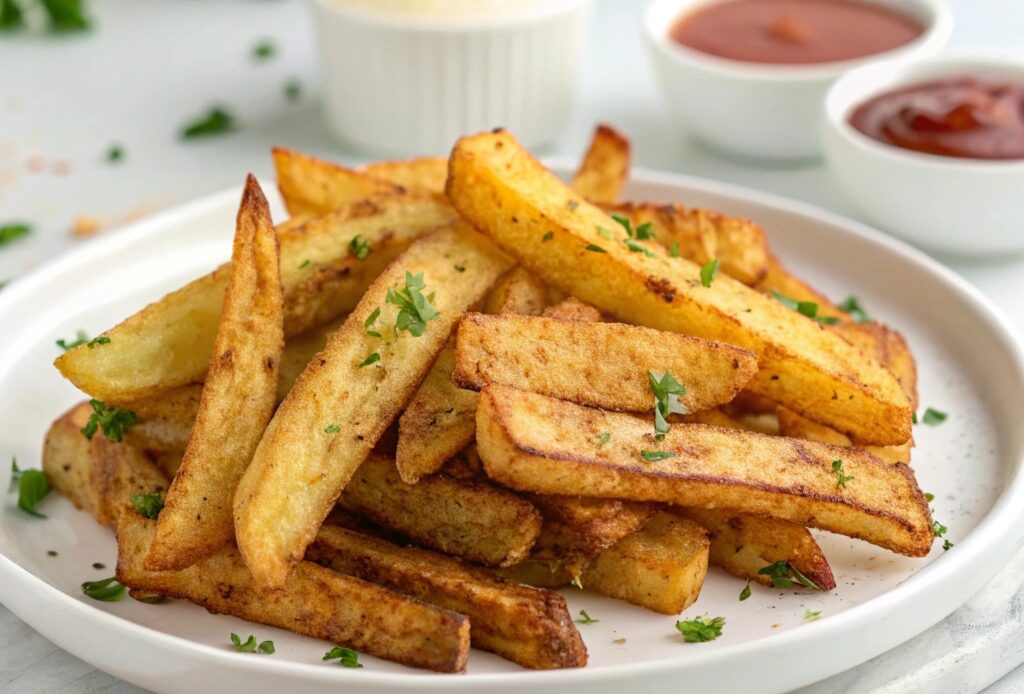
x=701, y=629
x=80, y=339
x=264, y=49
x=13, y=232
x=577, y=581
x=708, y=272
x=66, y=15
x=105, y=590
x=654, y=456
x=460, y=268
x=837, y=470
x=292, y=89
x=372, y=359
x=370, y=320
x=933, y=417
x=10, y=15
x=784, y=575
x=674, y=251
x=250, y=645
x=938, y=529
x=606, y=233
x=360, y=248
x=947, y=545
x=304, y=264
x=745, y=593
x=101, y=340
x=667, y=392
x=32, y=488
x=15, y=475
x=929, y=497
x=811, y=615
x=148, y=504
x=805, y=308
x=115, y=153
x=852, y=306
x=548, y=235
x=112, y=420
x=604, y=438
x=332, y=429
x=637, y=248
x=586, y=618
x=415, y=310
x=641, y=233
x=346, y=657
x=595, y=248
x=217, y=121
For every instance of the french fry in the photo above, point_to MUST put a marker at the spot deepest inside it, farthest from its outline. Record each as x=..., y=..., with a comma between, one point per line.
x=528, y=626
x=778, y=279
x=313, y=601
x=573, y=310
x=889, y=348
x=660, y=567
x=743, y=545
x=240, y=386
x=592, y=363
x=465, y=465
x=605, y=166
x=168, y=344
x=795, y=426
x=468, y=519
x=517, y=292
x=507, y=194
x=587, y=525
x=534, y=443
x=422, y=174
x=344, y=400
x=312, y=186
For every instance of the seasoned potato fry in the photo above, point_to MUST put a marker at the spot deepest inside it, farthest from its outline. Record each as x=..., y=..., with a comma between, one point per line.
x=889, y=348
x=169, y=343
x=573, y=310
x=598, y=364
x=528, y=626
x=793, y=425
x=507, y=194
x=778, y=279
x=344, y=400
x=605, y=166
x=517, y=292
x=468, y=519
x=743, y=545
x=312, y=186
x=465, y=465
x=660, y=567
x=240, y=387
x=588, y=525
x=535, y=443
x=313, y=601
x=422, y=174
x=439, y=421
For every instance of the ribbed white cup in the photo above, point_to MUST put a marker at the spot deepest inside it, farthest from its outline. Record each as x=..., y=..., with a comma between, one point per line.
x=413, y=85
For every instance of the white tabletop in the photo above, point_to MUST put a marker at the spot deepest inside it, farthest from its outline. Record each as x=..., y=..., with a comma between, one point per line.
x=150, y=66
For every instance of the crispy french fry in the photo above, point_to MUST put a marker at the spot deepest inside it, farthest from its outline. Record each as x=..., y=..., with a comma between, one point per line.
x=528, y=626
x=660, y=567
x=241, y=387
x=511, y=197
x=468, y=519
x=605, y=166
x=465, y=465
x=743, y=545
x=793, y=425
x=313, y=601
x=312, y=186
x=344, y=400
x=592, y=363
x=889, y=348
x=422, y=174
x=573, y=310
x=588, y=525
x=534, y=443
x=517, y=292
x=168, y=344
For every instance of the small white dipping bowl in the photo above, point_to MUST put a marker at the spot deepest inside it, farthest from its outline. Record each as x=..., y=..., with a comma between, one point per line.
x=411, y=82
x=760, y=110
x=972, y=207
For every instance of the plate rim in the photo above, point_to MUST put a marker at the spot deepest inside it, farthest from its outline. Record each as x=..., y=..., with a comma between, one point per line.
x=997, y=529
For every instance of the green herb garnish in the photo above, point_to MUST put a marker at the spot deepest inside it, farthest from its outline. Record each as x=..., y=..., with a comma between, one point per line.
x=346, y=657
x=264, y=49
x=701, y=629
x=106, y=590
x=15, y=475
x=933, y=417
x=667, y=392
x=332, y=429
x=148, y=504
x=637, y=248
x=80, y=339
x=805, y=308
x=460, y=268
x=548, y=235
x=852, y=306
x=217, y=121
x=929, y=497
x=372, y=359
x=674, y=251
x=603, y=438
x=66, y=15
x=654, y=456
x=292, y=89
x=939, y=530
x=642, y=232
x=415, y=310
x=577, y=581
x=586, y=618
x=101, y=340
x=785, y=575
x=360, y=248
x=811, y=615
x=32, y=488
x=708, y=272
x=745, y=593
x=594, y=248
x=605, y=233
x=115, y=153
x=112, y=420
x=304, y=264
x=837, y=470
x=370, y=320
x=250, y=645
x=12, y=232
x=10, y=15
x=572, y=205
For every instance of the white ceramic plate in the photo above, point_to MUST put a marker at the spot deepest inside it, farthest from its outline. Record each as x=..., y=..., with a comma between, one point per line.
x=969, y=366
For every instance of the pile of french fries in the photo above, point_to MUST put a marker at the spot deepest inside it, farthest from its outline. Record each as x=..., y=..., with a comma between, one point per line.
x=444, y=388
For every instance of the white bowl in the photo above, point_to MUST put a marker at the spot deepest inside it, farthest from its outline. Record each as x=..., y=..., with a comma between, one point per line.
x=412, y=83
x=964, y=206
x=763, y=110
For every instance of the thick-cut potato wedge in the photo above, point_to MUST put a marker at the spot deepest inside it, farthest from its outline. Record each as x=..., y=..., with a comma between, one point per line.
x=599, y=364
x=541, y=572
x=421, y=174
x=312, y=186
x=605, y=166
x=240, y=387
x=660, y=567
x=465, y=465
x=704, y=235
x=588, y=525
x=338, y=409
x=743, y=545
x=517, y=292
x=97, y=475
x=314, y=601
x=169, y=343
x=534, y=443
x=889, y=348
x=573, y=310
x=778, y=279
x=526, y=625
x=439, y=421
x=506, y=193
x=795, y=426
x=468, y=519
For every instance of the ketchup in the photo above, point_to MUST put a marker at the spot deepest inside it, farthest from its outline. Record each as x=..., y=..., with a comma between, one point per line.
x=794, y=31
x=959, y=117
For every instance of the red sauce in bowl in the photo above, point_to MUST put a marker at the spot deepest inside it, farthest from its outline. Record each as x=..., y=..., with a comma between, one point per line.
x=959, y=117
x=794, y=31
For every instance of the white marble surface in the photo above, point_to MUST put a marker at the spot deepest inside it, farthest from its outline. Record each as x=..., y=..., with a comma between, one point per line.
x=151, y=65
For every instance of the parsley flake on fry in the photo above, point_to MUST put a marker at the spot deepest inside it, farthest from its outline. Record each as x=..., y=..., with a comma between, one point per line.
x=784, y=575
x=708, y=272
x=841, y=477
x=415, y=310
x=148, y=504
x=112, y=420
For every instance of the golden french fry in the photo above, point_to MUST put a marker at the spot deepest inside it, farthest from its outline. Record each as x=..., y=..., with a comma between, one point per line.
x=599, y=364
x=605, y=166
x=573, y=310
x=511, y=197
x=587, y=525
x=240, y=387
x=345, y=399
x=534, y=443
x=468, y=519
x=517, y=292
x=422, y=174
x=793, y=425
x=528, y=626
x=889, y=348
x=312, y=186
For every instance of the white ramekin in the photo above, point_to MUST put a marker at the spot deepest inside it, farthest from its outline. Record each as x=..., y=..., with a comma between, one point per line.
x=411, y=85
x=756, y=110
x=971, y=207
